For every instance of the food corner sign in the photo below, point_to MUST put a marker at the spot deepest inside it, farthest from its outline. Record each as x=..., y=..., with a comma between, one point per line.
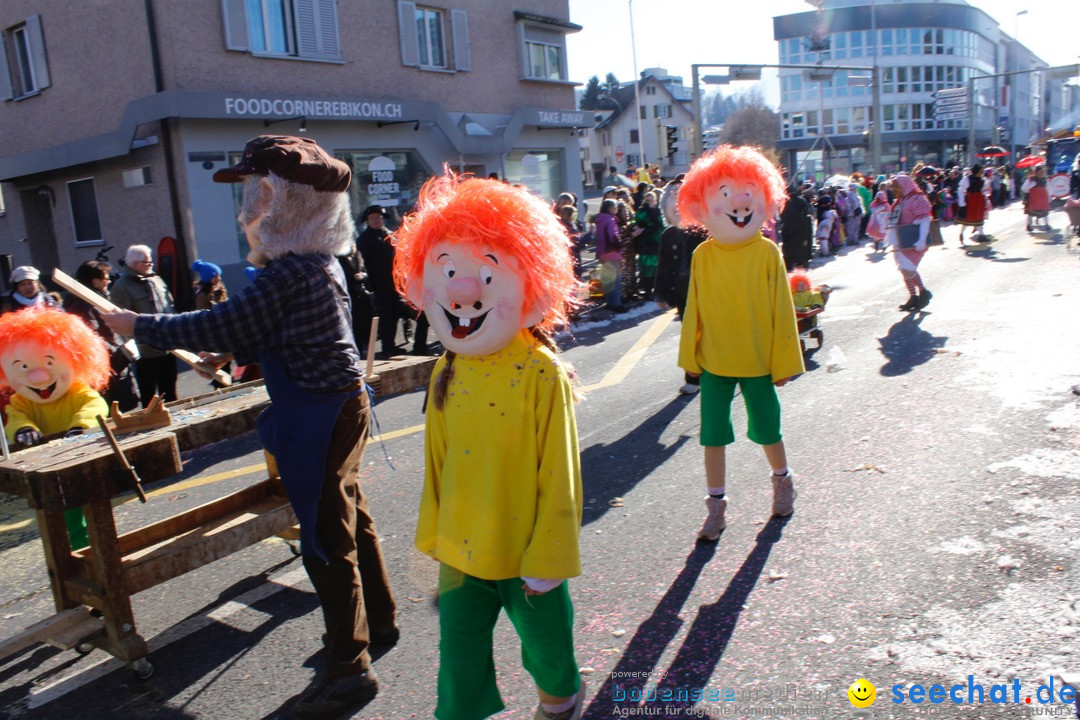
x=350, y=109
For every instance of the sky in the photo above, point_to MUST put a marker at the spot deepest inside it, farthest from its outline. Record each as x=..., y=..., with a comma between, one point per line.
x=674, y=34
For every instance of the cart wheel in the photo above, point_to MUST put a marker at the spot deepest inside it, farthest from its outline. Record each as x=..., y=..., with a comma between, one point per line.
x=142, y=669
x=85, y=647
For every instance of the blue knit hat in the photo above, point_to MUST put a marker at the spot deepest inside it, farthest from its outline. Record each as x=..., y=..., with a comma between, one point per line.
x=206, y=270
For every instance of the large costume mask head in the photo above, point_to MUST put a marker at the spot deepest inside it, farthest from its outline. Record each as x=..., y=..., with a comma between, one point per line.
x=294, y=198
x=483, y=260
x=731, y=191
x=43, y=351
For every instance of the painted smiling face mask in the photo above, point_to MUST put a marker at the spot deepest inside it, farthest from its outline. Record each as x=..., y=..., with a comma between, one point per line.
x=732, y=192
x=36, y=371
x=474, y=298
x=484, y=261
x=44, y=351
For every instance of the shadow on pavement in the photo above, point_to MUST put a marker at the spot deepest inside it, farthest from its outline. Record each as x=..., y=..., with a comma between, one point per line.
x=651, y=638
x=907, y=345
x=714, y=625
x=614, y=469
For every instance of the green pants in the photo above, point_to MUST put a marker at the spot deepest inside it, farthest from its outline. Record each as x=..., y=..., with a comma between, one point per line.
x=762, y=409
x=468, y=609
x=76, y=528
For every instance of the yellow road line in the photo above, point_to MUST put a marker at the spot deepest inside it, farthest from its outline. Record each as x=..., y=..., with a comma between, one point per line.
x=627, y=362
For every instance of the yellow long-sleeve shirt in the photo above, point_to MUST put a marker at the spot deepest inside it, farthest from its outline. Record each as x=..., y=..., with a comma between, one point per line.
x=740, y=319
x=79, y=407
x=502, y=488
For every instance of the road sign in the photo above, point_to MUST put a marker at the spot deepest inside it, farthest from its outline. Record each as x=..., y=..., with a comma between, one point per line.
x=1058, y=185
x=951, y=115
x=951, y=92
x=950, y=102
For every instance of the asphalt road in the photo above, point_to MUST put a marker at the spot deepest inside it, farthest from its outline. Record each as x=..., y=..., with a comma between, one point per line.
x=935, y=534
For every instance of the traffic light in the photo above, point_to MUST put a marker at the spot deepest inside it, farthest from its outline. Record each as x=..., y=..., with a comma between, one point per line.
x=672, y=139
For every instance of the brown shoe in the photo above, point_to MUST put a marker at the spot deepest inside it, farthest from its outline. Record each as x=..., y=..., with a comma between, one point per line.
x=328, y=697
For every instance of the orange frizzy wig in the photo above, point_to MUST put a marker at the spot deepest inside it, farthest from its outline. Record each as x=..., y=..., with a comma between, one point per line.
x=739, y=164
x=77, y=344
x=799, y=277
x=490, y=213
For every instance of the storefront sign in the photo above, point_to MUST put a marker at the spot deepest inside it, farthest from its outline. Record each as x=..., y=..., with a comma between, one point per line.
x=383, y=188
x=555, y=118
x=360, y=110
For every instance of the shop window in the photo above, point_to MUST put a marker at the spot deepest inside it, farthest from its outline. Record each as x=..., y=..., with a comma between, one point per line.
x=24, y=69
x=84, y=212
x=390, y=179
x=305, y=29
x=540, y=171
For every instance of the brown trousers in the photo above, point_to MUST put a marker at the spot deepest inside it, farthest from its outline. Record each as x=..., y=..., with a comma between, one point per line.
x=353, y=588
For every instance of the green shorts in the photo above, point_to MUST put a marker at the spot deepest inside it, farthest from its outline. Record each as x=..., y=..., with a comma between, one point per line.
x=468, y=609
x=762, y=409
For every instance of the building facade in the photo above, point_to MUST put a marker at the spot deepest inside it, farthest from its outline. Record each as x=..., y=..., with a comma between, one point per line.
x=121, y=112
x=614, y=138
x=921, y=48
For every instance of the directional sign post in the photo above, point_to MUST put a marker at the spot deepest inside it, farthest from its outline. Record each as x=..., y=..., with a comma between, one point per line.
x=959, y=115
x=957, y=101
x=951, y=92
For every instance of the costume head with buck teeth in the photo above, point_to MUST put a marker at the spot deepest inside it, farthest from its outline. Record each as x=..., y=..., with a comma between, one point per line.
x=484, y=260
x=44, y=351
x=731, y=191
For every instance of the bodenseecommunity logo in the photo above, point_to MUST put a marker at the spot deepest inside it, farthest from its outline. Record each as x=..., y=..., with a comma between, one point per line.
x=862, y=695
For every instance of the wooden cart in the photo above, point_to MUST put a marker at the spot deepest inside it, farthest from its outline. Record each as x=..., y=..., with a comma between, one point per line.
x=92, y=587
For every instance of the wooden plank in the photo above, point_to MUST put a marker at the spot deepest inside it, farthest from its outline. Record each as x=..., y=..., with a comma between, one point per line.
x=99, y=303
x=43, y=629
x=58, y=559
x=402, y=374
x=144, y=537
x=69, y=637
x=106, y=572
x=217, y=539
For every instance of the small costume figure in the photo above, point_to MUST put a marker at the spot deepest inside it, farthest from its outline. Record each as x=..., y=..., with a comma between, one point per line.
x=1036, y=198
x=879, y=219
x=803, y=294
x=501, y=508
x=971, y=202
x=295, y=318
x=739, y=328
x=53, y=362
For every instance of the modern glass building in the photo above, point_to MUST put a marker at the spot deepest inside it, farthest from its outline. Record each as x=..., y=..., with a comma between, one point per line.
x=921, y=48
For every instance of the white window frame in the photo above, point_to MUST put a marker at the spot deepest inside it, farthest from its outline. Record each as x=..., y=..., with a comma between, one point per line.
x=529, y=44
x=286, y=7
x=424, y=40
x=71, y=214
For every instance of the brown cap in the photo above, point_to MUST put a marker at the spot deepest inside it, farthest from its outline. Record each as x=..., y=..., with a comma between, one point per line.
x=298, y=160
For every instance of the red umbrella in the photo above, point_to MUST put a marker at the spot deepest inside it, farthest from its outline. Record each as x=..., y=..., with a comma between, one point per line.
x=993, y=151
x=1030, y=161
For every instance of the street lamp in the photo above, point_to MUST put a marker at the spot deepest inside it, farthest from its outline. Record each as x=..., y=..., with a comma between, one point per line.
x=637, y=86
x=1016, y=26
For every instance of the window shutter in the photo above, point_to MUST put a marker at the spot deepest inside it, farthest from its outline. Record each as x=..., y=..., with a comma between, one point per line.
x=459, y=24
x=6, y=91
x=329, y=38
x=410, y=45
x=307, y=29
x=236, y=29
x=37, y=52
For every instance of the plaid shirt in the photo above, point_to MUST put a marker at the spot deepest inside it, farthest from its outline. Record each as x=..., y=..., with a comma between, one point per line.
x=292, y=309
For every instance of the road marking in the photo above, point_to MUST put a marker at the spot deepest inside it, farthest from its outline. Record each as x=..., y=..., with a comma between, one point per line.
x=627, y=362
x=107, y=664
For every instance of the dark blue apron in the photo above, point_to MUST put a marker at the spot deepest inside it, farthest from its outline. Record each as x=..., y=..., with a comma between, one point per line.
x=296, y=429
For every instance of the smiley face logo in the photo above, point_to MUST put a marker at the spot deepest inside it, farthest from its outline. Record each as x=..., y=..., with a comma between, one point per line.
x=862, y=693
